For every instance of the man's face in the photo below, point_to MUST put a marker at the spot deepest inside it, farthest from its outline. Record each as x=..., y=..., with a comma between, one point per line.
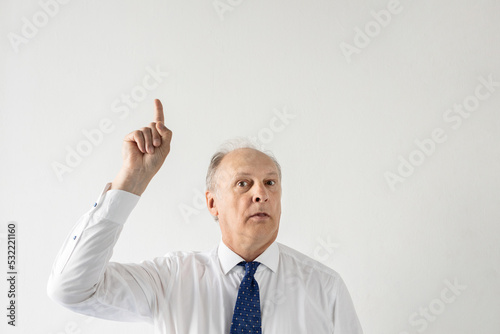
x=248, y=198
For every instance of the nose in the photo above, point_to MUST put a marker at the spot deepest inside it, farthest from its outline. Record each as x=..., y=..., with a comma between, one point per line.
x=260, y=193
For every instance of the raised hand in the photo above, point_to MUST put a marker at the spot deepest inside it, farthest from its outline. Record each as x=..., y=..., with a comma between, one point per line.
x=144, y=152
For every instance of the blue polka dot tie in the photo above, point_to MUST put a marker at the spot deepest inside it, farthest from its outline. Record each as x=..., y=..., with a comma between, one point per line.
x=246, y=316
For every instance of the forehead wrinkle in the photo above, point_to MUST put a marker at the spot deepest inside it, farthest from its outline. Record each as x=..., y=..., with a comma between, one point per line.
x=250, y=174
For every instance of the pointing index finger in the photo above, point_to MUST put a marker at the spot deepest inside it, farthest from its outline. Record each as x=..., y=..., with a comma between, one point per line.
x=159, y=111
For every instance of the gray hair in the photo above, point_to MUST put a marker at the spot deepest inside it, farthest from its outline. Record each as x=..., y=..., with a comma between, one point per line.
x=227, y=147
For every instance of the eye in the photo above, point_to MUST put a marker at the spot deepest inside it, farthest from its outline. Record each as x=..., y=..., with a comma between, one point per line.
x=242, y=183
x=271, y=182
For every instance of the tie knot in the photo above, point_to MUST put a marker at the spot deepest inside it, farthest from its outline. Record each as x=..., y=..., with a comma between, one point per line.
x=250, y=267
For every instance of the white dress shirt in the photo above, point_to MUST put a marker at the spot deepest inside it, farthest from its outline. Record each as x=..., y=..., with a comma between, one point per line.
x=192, y=292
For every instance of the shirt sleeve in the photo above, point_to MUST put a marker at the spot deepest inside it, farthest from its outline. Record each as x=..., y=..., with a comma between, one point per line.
x=83, y=280
x=345, y=319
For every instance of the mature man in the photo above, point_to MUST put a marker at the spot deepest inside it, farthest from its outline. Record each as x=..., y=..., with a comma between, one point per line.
x=249, y=283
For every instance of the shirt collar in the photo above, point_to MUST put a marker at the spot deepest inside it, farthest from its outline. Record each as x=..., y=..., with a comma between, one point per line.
x=228, y=259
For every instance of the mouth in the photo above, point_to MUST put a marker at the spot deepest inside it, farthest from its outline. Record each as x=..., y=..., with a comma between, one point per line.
x=260, y=215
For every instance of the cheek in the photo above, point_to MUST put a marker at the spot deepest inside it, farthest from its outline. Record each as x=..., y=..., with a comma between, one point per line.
x=278, y=206
x=230, y=205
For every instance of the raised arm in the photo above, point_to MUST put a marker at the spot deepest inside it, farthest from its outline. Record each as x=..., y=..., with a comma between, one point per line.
x=82, y=278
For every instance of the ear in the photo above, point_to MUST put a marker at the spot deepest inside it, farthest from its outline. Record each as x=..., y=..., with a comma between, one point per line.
x=211, y=205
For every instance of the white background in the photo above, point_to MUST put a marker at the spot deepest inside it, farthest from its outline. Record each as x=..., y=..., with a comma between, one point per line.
x=229, y=72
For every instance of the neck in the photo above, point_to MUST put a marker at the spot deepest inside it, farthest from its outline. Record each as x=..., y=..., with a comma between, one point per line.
x=248, y=251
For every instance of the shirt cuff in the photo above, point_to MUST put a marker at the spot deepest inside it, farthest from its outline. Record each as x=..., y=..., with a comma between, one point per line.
x=115, y=205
